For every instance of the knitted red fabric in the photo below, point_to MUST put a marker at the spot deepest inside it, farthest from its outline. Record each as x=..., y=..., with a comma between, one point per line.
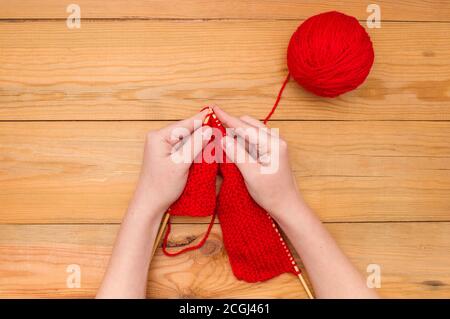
x=256, y=250
x=199, y=195
x=255, y=247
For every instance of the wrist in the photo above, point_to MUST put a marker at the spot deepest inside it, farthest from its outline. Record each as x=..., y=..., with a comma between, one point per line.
x=146, y=202
x=293, y=206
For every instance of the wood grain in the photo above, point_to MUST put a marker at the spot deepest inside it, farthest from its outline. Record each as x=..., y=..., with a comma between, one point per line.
x=163, y=60
x=85, y=172
x=123, y=70
x=417, y=10
x=33, y=259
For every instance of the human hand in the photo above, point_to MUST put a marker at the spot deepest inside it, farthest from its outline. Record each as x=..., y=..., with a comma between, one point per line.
x=168, y=154
x=273, y=189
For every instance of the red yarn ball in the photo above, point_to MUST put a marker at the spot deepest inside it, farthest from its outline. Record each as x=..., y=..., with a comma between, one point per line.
x=330, y=54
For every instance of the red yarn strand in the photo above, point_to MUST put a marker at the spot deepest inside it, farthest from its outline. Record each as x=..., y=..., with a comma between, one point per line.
x=274, y=107
x=199, y=245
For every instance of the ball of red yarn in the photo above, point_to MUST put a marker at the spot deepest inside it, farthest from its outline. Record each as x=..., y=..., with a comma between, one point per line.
x=330, y=54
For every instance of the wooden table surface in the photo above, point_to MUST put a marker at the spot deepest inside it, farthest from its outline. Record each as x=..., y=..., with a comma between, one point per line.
x=75, y=105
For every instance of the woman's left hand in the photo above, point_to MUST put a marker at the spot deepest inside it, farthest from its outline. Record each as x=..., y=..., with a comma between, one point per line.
x=168, y=154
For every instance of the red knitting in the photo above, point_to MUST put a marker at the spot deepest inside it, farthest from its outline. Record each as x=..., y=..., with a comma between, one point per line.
x=329, y=54
x=255, y=247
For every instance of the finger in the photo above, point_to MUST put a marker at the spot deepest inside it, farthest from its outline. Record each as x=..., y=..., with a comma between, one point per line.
x=192, y=146
x=247, y=127
x=237, y=154
x=252, y=121
x=181, y=129
x=257, y=140
x=230, y=121
x=240, y=128
x=205, y=136
x=250, y=148
x=259, y=136
x=260, y=125
x=256, y=123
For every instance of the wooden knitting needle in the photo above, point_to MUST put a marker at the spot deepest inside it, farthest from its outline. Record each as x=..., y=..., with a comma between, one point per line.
x=162, y=228
x=305, y=286
x=165, y=220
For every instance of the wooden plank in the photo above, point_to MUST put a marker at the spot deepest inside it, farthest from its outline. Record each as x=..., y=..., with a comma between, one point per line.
x=85, y=172
x=413, y=258
x=167, y=69
x=434, y=10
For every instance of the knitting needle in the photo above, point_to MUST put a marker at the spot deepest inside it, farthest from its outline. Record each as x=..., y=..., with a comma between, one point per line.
x=162, y=228
x=305, y=286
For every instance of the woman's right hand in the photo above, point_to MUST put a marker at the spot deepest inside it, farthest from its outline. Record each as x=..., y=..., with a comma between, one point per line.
x=277, y=193
x=266, y=170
